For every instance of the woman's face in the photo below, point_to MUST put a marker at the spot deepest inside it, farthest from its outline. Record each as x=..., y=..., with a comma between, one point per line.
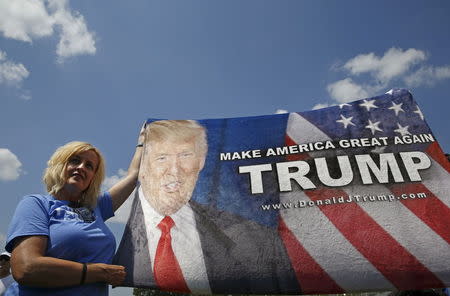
x=81, y=169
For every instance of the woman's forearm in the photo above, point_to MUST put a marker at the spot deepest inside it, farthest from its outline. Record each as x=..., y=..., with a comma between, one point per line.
x=122, y=190
x=31, y=268
x=52, y=273
x=55, y=273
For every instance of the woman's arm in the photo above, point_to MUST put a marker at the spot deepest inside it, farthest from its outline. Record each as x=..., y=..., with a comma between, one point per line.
x=122, y=190
x=31, y=268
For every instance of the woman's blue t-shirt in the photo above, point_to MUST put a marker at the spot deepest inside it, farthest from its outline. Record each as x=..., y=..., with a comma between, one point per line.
x=74, y=234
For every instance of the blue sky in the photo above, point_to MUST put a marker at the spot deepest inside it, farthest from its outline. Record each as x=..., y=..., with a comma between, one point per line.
x=95, y=70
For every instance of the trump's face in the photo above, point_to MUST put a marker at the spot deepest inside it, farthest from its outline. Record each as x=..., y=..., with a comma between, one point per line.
x=169, y=173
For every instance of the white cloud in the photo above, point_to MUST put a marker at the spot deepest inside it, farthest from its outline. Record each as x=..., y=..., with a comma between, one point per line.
x=121, y=215
x=26, y=95
x=75, y=37
x=11, y=73
x=346, y=90
x=428, y=75
x=393, y=63
x=321, y=105
x=10, y=166
x=396, y=67
x=25, y=20
x=281, y=111
x=111, y=180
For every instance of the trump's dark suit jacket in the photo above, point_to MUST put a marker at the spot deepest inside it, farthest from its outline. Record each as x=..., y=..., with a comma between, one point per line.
x=241, y=256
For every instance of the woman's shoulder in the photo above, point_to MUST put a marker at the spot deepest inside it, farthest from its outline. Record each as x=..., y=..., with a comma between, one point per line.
x=104, y=205
x=30, y=218
x=104, y=195
x=37, y=199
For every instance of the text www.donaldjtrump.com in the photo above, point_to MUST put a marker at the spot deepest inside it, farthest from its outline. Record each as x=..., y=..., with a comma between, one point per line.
x=342, y=200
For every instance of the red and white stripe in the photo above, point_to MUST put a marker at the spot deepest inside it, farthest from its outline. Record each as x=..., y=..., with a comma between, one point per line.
x=368, y=245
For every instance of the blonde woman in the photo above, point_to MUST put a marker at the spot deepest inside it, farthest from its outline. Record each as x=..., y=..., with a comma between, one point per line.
x=59, y=242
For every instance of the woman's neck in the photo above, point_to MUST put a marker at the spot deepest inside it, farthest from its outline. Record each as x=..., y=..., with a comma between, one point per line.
x=69, y=195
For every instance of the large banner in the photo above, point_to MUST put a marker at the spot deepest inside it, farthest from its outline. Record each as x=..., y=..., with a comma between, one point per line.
x=353, y=197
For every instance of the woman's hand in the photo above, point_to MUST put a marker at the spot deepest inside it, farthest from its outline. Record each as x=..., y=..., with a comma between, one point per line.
x=30, y=267
x=141, y=137
x=122, y=190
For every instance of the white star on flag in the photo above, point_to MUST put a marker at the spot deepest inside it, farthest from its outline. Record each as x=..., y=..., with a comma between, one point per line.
x=343, y=105
x=397, y=108
x=418, y=111
x=345, y=121
x=402, y=130
x=373, y=126
x=368, y=104
x=311, y=247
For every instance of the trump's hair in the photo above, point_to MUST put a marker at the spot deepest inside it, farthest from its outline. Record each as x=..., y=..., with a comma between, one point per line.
x=180, y=130
x=55, y=173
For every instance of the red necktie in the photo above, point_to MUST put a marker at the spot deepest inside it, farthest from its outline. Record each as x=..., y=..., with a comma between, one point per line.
x=167, y=271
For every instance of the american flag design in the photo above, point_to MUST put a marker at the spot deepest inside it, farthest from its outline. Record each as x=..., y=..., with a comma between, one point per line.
x=368, y=244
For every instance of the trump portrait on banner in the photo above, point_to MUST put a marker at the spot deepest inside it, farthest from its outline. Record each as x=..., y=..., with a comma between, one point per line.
x=174, y=243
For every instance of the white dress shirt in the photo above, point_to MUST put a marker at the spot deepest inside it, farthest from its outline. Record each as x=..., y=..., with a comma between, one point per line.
x=185, y=244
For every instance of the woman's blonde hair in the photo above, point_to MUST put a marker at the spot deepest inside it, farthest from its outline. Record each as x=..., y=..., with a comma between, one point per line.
x=55, y=173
